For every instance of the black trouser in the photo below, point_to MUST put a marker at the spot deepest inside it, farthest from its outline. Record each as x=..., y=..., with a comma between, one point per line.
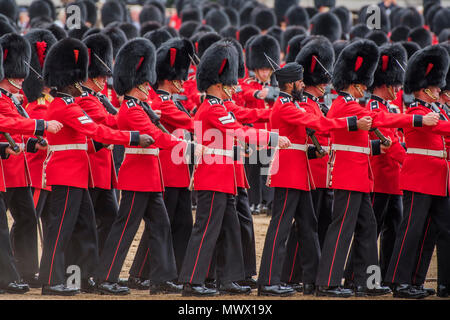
x=258, y=192
x=42, y=207
x=322, y=202
x=71, y=220
x=388, y=213
x=427, y=243
x=8, y=267
x=216, y=224
x=133, y=207
x=247, y=237
x=289, y=204
x=106, y=209
x=178, y=205
x=24, y=230
x=352, y=216
x=417, y=208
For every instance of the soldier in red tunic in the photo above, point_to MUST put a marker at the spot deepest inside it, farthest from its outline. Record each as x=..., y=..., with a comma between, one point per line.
x=67, y=169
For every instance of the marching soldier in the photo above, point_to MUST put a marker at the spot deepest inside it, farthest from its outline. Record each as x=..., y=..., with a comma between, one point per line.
x=426, y=157
x=67, y=169
x=172, y=66
x=386, y=197
x=292, y=184
x=101, y=111
x=18, y=196
x=258, y=92
x=216, y=222
x=140, y=179
x=317, y=58
x=350, y=175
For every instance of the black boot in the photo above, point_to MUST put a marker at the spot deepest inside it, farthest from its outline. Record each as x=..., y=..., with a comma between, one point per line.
x=233, y=288
x=443, y=291
x=406, y=291
x=59, y=290
x=335, y=292
x=363, y=291
x=15, y=287
x=112, y=288
x=197, y=290
x=275, y=291
x=165, y=288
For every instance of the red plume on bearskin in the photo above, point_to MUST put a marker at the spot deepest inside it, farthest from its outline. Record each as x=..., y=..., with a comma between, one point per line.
x=173, y=59
x=391, y=65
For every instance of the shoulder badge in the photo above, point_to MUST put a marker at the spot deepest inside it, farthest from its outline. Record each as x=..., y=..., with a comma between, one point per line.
x=213, y=101
x=374, y=105
x=349, y=98
x=164, y=97
x=68, y=100
x=285, y=100
x=84, y=94
x=131, y=103
x=304, y=99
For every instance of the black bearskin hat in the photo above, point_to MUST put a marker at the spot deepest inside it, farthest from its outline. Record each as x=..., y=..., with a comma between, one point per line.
x=233, y=16
x=229, y=32
x=429, y=15
x=444, y=36
x=427, y=67
x=359, y=31
x=263, y=18
x=288, y=34
x=441, y=20
x=410, y=47
x=240, y=51
x=297, y=16
x=317, y=59
x=293, y=47
x=77, y=33
x=281, y=6
x=356, y=64
x=219, y=64
x=245, y=13
x=6, y=28
x=135, y=65
x=149, y=26
x=187, y=28
x=246, y=32
x=400, y=33
x=259, y=46
x=345, y=17
x=446, y=46
x=206, y=41
x=421, y=36
x=118, y=38
x=326, y=24
x=100, y=54
x=90, y=32
x=112, y=11
x=204, y=28
x=276, y=32
x=91, y=11
x=173, y=59
x=377, y=36
x=151, y=13
x=16, y=55
x=338, y=46
x=391, y=65
x=217, y=19
x=40, y=41
x=9, y=8
x=157, y=37
x=324, y=3
x=412, y=18
x=191, y=14
x=66, y=63
x=39, y=8
x=57, y=31
x=129, y=29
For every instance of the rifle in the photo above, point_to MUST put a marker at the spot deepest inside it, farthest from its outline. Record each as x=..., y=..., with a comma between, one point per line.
x=11, y=142
x=384, y=140
x=311, y=134
x=107, y=104
x=153, y=116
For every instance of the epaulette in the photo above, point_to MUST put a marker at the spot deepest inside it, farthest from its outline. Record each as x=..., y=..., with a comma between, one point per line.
x=84, y=94
x=304, y=99
x=348, y=98
x=68, y=100
x=213, y=101
x=374, y=105
x=164, y=97
x=414, y=104
x=131, y=103
x=285, y=100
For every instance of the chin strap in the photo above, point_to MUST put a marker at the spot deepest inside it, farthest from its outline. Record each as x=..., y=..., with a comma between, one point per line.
x=447, y=94
x=78, y=86
x=178, y=86
x=359, y=90
x=143, y=90
x=14, y=84
x=322, y=90
x=228, y=91
x=428, y=93
x=393, y=96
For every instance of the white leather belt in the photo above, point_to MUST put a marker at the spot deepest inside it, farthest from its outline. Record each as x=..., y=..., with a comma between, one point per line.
x=343, y=147
x=220, y=152
x=296, y=146
x=153, y=152
x=326, y=148
x=427, y=152
x=65, y=147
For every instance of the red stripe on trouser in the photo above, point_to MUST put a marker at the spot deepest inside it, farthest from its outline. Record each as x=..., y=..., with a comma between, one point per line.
x=120, y=240
x=36, y=195
x=57, y=237
x=337, y=240
x=201, y=242
x=293, y=264
x=421, y=250
x=404, y=237
x=143, y=264
x=276, y=235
